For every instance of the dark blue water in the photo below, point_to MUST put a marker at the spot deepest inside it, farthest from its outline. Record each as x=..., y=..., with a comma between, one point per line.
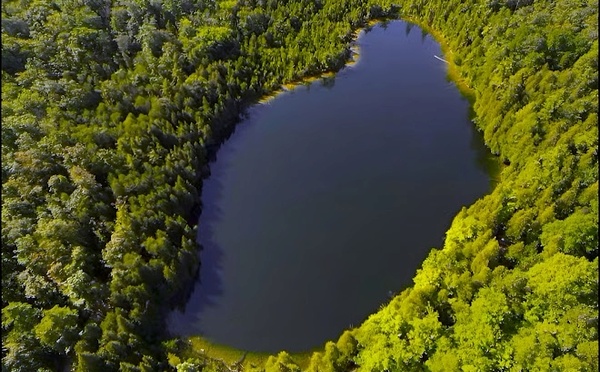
x=330, y=196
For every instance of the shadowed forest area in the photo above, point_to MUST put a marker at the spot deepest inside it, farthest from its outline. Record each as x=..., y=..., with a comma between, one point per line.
x=110, y=110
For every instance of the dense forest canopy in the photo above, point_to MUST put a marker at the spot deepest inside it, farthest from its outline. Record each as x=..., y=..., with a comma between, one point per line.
x=110, y=110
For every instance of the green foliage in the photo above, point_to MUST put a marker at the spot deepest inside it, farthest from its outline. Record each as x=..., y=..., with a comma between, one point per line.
x=22, y=349
x=282, y=363
x=58, y=328
x=576, y=235
x=109, y=109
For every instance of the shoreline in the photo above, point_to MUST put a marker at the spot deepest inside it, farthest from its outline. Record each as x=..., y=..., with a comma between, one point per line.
x=495, y=166
x=199, y=345
x=351, y=62
x=465, y=89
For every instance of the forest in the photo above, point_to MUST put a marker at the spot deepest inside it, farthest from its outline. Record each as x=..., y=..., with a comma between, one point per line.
x=111, y=110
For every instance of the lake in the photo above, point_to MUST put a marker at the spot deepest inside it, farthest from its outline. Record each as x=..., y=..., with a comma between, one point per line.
x=327, y=199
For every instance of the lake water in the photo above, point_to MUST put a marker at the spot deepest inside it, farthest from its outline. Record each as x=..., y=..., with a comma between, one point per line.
x=329, y=197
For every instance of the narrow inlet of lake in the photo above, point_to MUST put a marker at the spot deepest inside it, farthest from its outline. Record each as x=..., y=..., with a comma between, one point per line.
x=329, y=197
